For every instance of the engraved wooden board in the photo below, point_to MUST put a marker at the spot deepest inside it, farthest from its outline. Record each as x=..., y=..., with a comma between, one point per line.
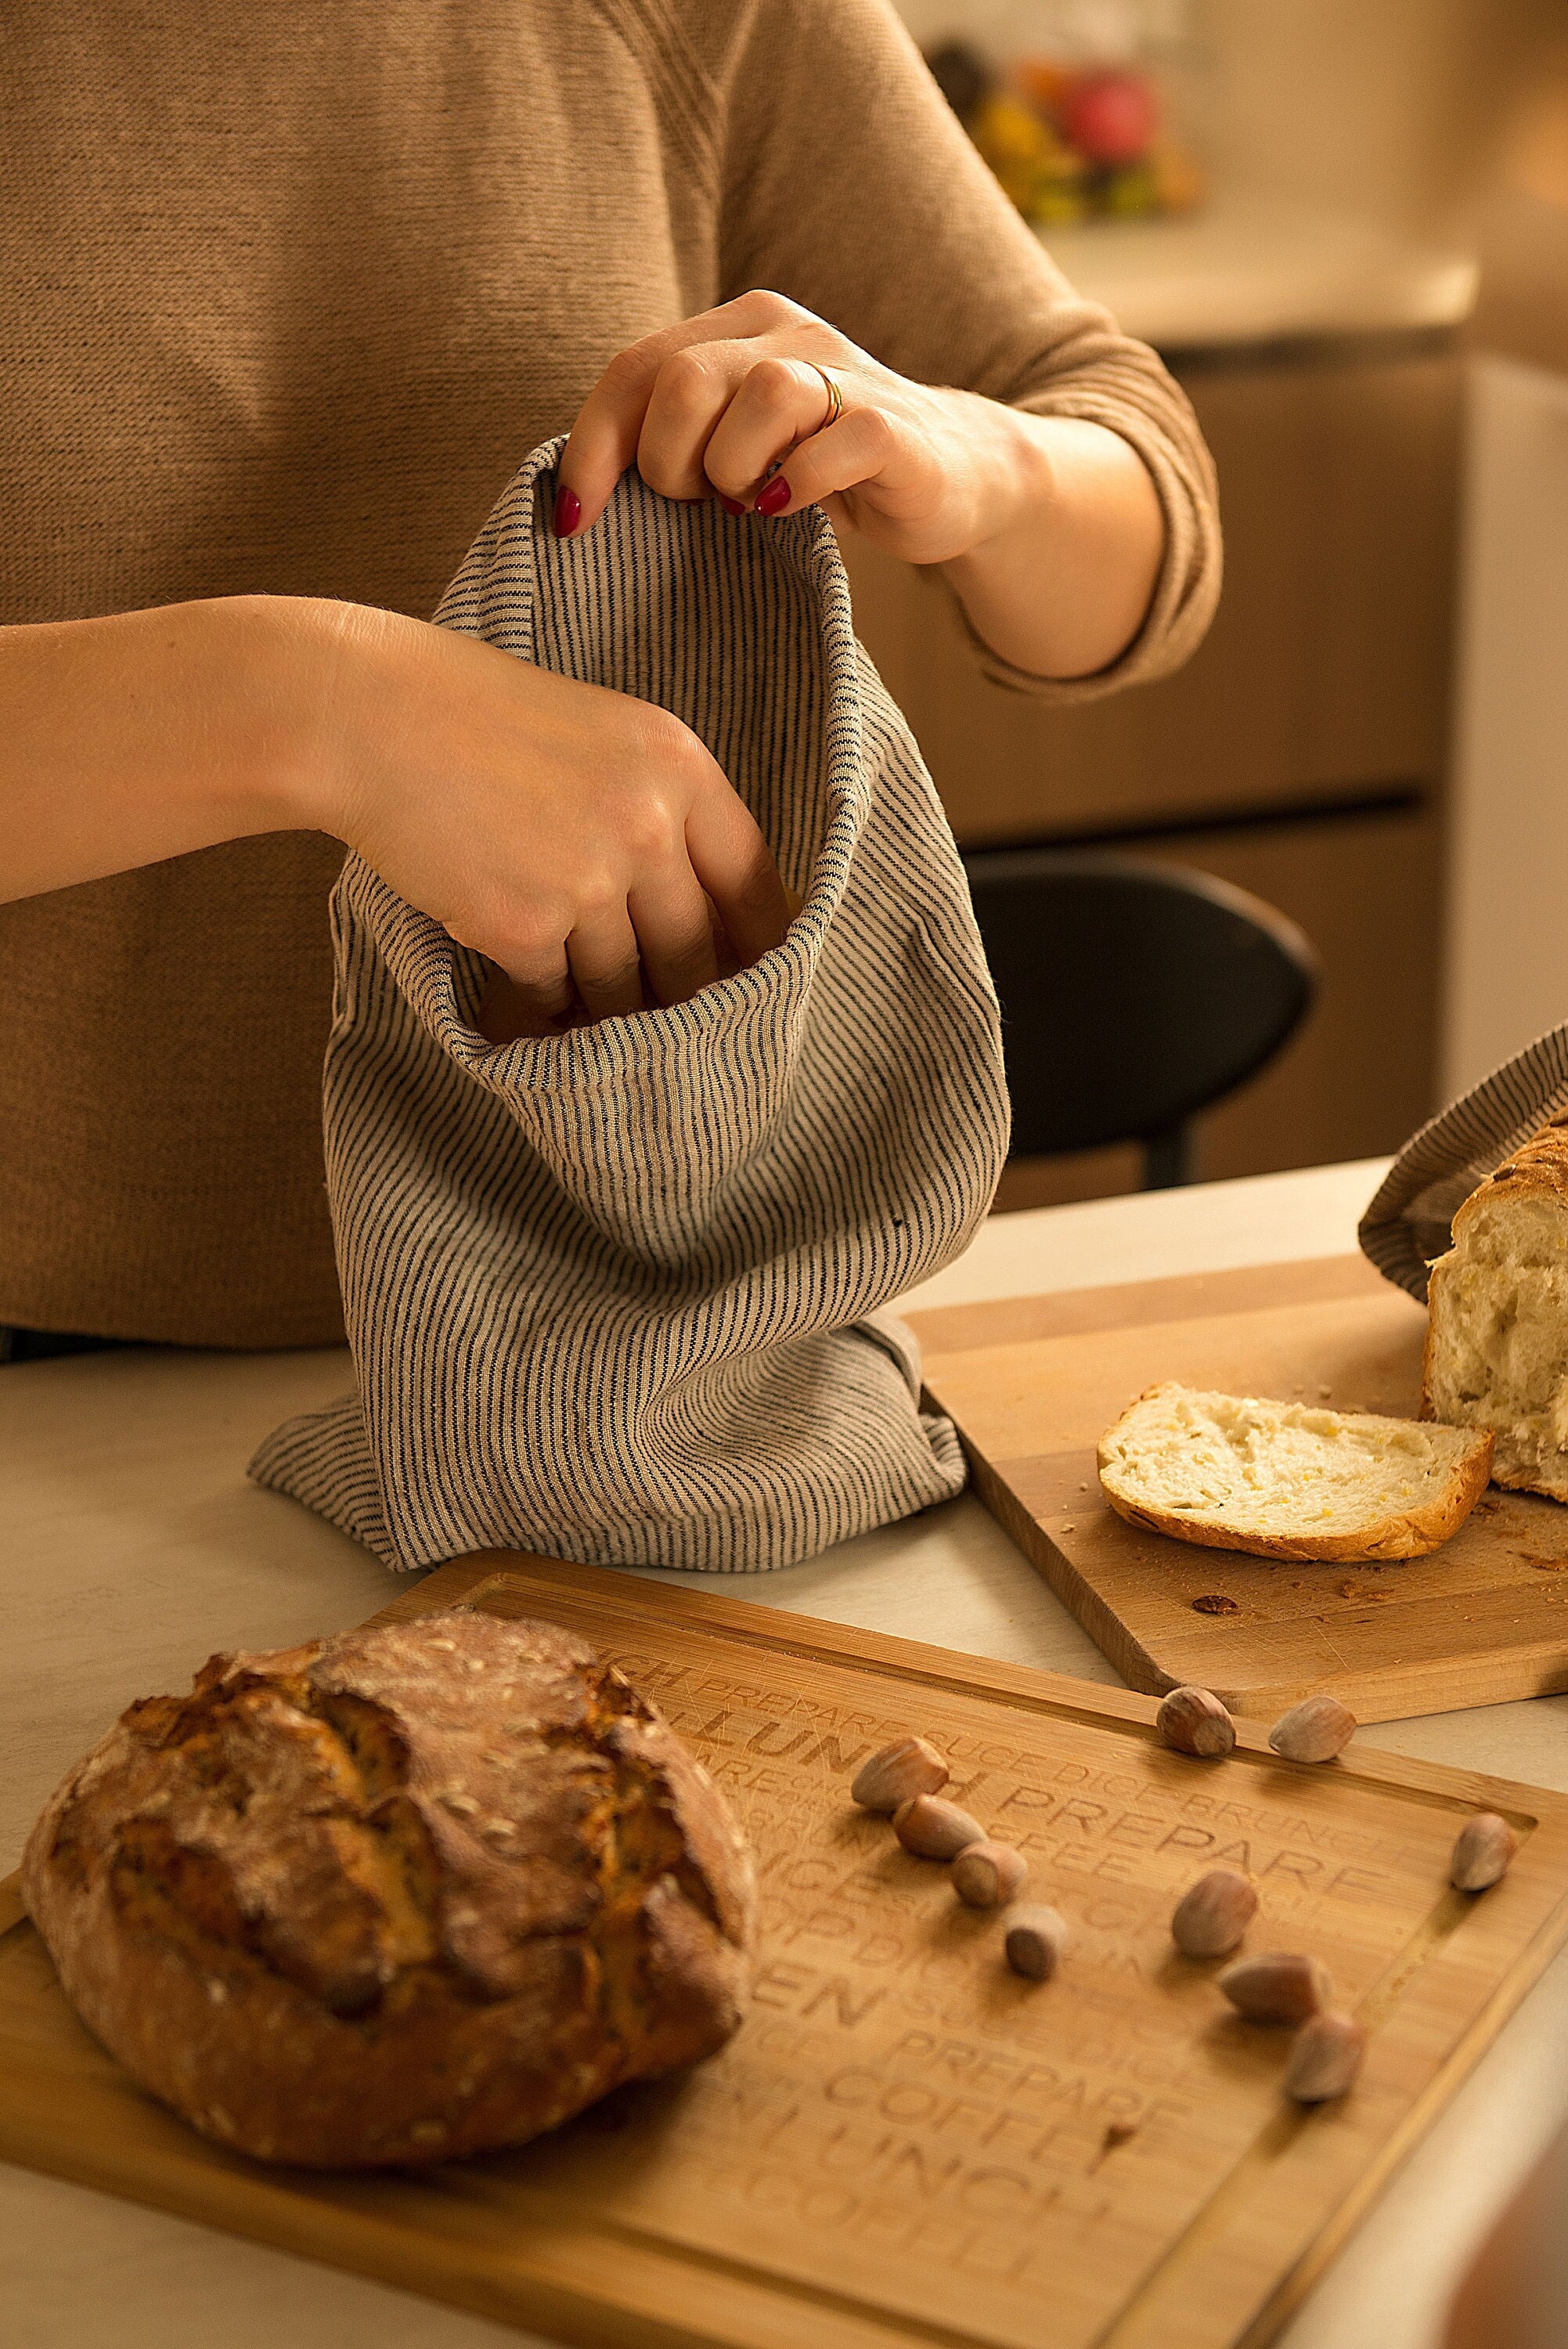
x=905, y=2144
x=1033, y=1384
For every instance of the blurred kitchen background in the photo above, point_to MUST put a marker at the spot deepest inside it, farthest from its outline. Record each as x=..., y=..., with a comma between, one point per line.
x=1345, y=226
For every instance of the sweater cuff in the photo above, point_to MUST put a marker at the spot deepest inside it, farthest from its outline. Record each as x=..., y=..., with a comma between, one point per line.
x=1188, y=587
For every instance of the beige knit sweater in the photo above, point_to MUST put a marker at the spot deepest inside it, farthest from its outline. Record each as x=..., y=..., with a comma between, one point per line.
x=286, y=293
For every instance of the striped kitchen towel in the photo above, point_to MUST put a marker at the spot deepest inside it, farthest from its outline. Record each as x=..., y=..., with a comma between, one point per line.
x=1408, y=1224
x=613, y=1294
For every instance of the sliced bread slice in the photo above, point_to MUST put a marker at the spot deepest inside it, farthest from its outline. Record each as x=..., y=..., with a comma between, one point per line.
x=1497, y=1334
x=1289, y=1480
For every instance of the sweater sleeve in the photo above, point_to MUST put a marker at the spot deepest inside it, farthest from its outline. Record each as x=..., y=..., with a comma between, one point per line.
x=849, y=185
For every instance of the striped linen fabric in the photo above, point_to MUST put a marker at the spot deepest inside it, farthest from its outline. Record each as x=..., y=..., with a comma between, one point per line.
x=1408, y=1223
x=613, y=1294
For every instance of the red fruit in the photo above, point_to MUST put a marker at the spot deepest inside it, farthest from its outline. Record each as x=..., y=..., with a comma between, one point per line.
x=1111, y=117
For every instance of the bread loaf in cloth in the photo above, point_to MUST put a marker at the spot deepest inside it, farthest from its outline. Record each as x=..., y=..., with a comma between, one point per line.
x=1409, y=1222
x=613, y=1294
x=1493, y=1169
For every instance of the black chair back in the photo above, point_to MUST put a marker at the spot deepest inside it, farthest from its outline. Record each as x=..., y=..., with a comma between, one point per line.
x=1133, y=995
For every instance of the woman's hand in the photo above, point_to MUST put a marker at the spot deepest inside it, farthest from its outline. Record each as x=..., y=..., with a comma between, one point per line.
x=709, y=406
x=1050, y=528
x=585, y=842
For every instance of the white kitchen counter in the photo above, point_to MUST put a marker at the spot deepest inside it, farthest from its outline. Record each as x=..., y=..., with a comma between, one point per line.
x=134, y=1547
x=1253, y=269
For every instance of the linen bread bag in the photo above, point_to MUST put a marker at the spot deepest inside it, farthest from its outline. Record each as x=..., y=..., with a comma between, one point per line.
x=612, y=1294
x=1492, y=1172
x=1410, y=1221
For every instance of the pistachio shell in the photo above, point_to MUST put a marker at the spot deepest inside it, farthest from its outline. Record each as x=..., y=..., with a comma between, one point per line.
x=1482, y=1850
x=934, y=1829
x=1212, y=1914
x=1193, y=1720
x=1276, y=1986
x=909, y=1766
x=1315, y=1730
x=1326, y=2058
x=987, y=1874
x=1036, y=1941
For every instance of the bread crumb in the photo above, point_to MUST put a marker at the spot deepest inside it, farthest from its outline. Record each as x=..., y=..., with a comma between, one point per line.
x=1217, y=1603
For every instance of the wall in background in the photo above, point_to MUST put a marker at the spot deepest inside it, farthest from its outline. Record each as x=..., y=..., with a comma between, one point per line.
x=1395, y=109
x=1507, y=977
x=1507, y=959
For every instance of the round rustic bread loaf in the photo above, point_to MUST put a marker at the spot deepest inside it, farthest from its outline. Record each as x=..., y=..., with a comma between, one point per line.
x=404, y=1894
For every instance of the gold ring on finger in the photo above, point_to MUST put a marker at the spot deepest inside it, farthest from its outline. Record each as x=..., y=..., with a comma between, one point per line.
x=835, y=398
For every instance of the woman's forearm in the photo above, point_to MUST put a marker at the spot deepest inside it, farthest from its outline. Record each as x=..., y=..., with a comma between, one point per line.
x=1049, y=527
x=578, y=837
x=1060, y=581
x=126, y=739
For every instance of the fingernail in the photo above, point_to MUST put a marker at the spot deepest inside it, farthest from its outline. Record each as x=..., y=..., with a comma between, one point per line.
x=775, y=497
x=568, y=511
x=730, y=505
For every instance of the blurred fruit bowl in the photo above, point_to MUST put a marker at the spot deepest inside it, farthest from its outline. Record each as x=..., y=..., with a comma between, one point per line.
x=1066, y=143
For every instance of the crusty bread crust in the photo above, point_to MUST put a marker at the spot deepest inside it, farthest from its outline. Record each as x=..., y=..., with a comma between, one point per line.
x=404, y=1894
x=1539, y=1166
x=1413, y=1533
x=1537, y=1169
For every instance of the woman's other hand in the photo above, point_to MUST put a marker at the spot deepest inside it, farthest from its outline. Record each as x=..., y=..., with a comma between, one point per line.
x=585, y=842
x=1049, y=527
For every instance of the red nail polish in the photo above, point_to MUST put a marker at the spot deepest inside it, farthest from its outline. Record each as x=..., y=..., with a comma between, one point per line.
x=775, y=497
x=730, y=505
x=568, y=511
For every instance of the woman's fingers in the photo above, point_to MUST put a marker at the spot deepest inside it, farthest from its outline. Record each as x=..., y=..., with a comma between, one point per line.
x=735, y=864
x=604, y=440
x=532, y=999
x=775, y=403
x=690, y=394
x=680, y=956
x=606, y=968
x=860, y=447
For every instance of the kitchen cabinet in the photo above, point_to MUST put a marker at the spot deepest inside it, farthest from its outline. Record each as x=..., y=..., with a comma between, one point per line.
x=1301, y=753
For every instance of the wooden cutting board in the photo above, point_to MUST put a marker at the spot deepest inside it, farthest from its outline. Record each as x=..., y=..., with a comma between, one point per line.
x=905, y=2144
x=1033, y=1383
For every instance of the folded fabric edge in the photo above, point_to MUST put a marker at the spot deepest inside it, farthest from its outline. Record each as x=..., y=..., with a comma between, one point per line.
x=1470, y=1137
x=323, y=1460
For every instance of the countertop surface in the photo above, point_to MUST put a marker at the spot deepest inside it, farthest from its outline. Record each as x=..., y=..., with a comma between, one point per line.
x=1246, y=269
x=135, y=1547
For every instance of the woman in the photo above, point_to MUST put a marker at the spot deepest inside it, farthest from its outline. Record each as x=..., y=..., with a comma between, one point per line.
x=290, y=293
